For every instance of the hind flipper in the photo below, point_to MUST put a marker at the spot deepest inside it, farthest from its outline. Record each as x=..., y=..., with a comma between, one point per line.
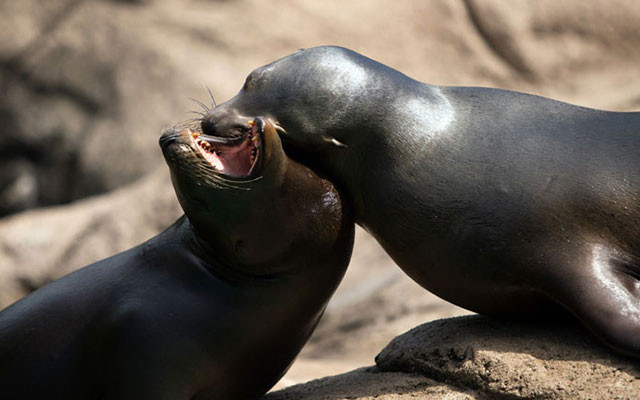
x=604, y=294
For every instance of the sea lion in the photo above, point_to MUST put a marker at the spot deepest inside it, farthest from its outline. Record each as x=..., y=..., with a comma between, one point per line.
x=215, y=307
x=501, y=202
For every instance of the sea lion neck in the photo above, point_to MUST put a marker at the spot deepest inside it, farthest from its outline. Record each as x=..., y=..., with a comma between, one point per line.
x=225, y=269
x=249, y=229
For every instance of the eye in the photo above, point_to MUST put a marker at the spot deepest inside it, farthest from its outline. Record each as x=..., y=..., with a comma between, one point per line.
x=254, y=78
x=251, y=80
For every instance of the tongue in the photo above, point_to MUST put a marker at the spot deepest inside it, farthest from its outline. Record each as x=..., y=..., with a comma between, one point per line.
x=237, y=160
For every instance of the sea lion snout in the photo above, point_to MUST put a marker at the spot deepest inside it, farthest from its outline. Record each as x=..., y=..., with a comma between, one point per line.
x=168, y=137
x=221, y=122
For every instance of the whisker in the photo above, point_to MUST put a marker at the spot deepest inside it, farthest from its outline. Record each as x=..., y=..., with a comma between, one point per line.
x=208, y=177
x=213, y=100
x=279, y=128
x=194, y=121
x=201, y=104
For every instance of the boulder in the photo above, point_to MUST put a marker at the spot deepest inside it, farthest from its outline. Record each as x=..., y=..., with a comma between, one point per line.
x=39, y=246
x=80, y=111
x=475, y=357
x=370, y=383
x=514, y=360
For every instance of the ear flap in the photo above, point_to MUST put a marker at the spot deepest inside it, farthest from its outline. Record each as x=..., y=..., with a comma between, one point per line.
x=338, y=143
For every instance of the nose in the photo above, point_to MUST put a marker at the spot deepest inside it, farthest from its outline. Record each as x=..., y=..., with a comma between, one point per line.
x=220, y=120
x=168, y=136
x=208, y=124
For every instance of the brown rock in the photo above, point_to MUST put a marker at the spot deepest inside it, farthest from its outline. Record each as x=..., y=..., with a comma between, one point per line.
x=39, y=246
x=509, y=360
x=370, y=383
x=479, y=358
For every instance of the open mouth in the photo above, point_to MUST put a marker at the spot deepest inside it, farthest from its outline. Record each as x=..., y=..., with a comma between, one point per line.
x=237, y=156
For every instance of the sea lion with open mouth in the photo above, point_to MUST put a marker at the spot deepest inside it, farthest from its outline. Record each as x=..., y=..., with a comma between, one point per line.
x=501, y=202
x=215, y=307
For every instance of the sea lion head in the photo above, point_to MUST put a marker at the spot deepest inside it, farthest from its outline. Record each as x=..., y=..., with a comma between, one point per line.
x=226, y=185
x=317, y=96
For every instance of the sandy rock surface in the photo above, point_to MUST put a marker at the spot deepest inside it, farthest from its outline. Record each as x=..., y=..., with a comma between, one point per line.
x=517, y=360
x=371, y=383
x=480, y=358
x=88, y=85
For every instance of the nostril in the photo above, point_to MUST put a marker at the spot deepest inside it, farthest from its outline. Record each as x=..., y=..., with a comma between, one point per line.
x=208, y=126
x=166, y=140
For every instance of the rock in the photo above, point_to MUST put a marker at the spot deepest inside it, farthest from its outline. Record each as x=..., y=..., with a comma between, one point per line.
x=513, y=360
x=18, y=180
x=370, y=383
x=475, y=357
x=85, y=96
x=39, y=246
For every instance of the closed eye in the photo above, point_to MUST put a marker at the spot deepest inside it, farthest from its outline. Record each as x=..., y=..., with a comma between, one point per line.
x=250, y=81
x=253, y=78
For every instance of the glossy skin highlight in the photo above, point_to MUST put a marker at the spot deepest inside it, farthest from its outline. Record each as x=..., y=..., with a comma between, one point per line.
x=504, y=203
x=215, y=307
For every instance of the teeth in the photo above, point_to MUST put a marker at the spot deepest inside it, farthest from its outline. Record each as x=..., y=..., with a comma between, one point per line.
x=206, y=146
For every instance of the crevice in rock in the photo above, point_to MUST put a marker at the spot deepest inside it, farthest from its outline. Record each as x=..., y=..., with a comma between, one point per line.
x=504, y=52
x=14, y=72
x=56, y=172
x=29, y=284
x=80, y=238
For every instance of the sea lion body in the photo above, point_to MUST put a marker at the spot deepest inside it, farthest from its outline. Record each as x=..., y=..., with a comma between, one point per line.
x=501, y=202
x=188, y=315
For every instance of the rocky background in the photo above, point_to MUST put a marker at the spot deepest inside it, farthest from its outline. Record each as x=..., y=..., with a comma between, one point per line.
x=87, y=86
